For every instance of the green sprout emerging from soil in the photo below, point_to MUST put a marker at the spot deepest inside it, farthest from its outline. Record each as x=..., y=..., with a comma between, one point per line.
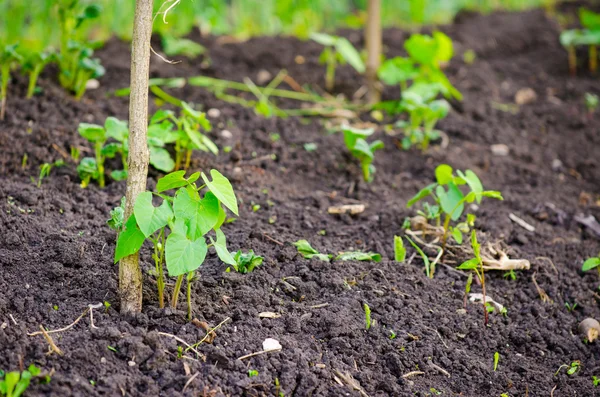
x=476, y=265
x=588, y=36
x=399, y=249
x=75, y=59
x=45, y=170
x=572, y=368
x=450, y=200
x=178, y=228
x=591, y=102
x=355, y=140
x=15, y=383
x=33, y=64
x=367, y=316
x=591, y=263
x=9, y=58
x=246, y=263
x=338, y=51
x=308, y=252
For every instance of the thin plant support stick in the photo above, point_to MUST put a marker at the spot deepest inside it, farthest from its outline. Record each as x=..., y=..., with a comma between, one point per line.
x=130, y=274
x=373, y=42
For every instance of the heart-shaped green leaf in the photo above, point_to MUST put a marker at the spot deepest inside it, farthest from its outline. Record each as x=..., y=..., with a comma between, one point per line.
x=130, y=240
x=151, y=218
x=200, y=215
x=183, y=255
x=221, y=187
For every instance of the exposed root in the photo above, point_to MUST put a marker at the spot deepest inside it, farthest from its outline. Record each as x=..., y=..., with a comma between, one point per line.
x=61, y=329
x=543, y=296
x=497, y=259
x=53, y=347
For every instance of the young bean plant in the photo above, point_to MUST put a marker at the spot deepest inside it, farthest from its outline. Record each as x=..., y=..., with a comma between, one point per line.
x=588, y=36
x=449, y=200
x=592, y=263
x=33, y=64
x=476, y=265
x=246, y=262
x=15, y=383
x=355, y=140
x=179, y=226
x=338, y=51
x=75, y=58
x=9, y=58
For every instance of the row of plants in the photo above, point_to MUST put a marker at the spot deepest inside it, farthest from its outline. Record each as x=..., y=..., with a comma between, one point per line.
x=588, y=36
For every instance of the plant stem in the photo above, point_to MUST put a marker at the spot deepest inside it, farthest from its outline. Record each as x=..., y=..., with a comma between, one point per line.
x=33, y=77
x=4, y=88
x=190, y=278
x=158, y=260
x=373, y=44
x=482, y=278
x=593, y=54
x=100, y=163
x=330, y=73
x=130, y=274
x=445, y=236
x=176, y=291
x=188, y=158
x=572, y=60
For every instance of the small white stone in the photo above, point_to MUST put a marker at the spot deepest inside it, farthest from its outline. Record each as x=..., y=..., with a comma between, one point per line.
x=213, y=113
x=131, y=363
x=103, y=360
x=500, y=149
x=226, y=134
x=263, y=77
x=270, y=344
x=92, y=84
x=525, y=96
x=556, y=164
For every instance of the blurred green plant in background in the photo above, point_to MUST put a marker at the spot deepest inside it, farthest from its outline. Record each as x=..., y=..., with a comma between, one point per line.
x=32, y=22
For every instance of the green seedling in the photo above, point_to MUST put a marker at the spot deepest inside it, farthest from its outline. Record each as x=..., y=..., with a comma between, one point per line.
x=511, y=274
x=246, y=263
x=591, y=22
x=359, y=256
x=591, y=263
x=392, y=334
x=476, y=265
x=398, y=71
x=180, y=46
x=93, y=167
x=591, y=102
x=424, y=113
x=308, y=252
x=252, y=373
x=178, y=228
x=399, y=249
x=15, y=383
x=75, y=60
x=572, y=368
x=355, y=140
x=107, y=306
x=431, y=53
x=45, y=170
x=9, y=58
x=469, y=57
x=450, y=200
x=496, y=360
x=596, y=381
x=367, y=316
x=429, y=268
x=338, y=51
x=571, y=306
x=468, y=285
x=184, y=131
x=34, y=63
x=117, y=217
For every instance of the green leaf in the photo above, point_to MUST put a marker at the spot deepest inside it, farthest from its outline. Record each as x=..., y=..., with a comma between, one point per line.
x=171, y=181
x=457, y=234
x=111, y=149
x=87, y=169
x=492, y=194
x=181, y=46
x=423, y=256
x=426, y=191
x=471, y=264
x=399, y=249
x=397, y=70
x=92, y=132
x=221, y=248
x=116, y=129
x=590, y=264
x=118, y=175
x=358, y=256
x=151, y=218
x=475, y=244
x=221, y=187
x=200, y=215
x=349, y=53
x=589, y=19
x=445, y=50
x=451, y=200
x=308, y=252
x=421, y=48
x=473, y=181
x=130, y=240
x=324, y=39
x=246, y=263
x=183, y=255
x=443, y=174
x=161, y=159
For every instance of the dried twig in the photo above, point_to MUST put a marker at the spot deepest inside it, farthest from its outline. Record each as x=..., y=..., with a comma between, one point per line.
x=265, y=235
x=189, y=382
x=61, y=329
x=258, y=353
x=543, y=296
x=178, y=339
x=413, y=373
x=350, y=381
x=521, y=222
x=53, y=347
x=208, y=333
x=549, y=260
x=438, y=368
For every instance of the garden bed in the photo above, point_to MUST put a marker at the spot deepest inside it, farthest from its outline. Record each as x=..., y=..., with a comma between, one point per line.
x=56, y=250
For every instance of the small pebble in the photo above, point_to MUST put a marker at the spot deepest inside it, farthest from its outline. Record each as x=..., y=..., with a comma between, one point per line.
x=500, y=149
x=213, y=113
x=556, y=165
x=92, y=84
x=131, y=363
x=226, y=134
x=461, y=311
x=299, y=59
x=263, y=77
x=525, y=96
x=103, y=360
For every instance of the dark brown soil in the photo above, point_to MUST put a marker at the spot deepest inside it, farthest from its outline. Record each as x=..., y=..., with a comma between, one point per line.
x=56, y=249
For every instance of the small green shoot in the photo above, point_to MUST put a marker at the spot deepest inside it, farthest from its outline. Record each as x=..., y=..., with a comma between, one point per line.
x=107, y=306
x=246, y=263
x=112, y=349
x=367, y=310
x=572, y=368
x=571, y=306
x=180, y=46
x=591, y=102
x=358, y=256
x=595, y=380
x=15, y=383
x=476, y=265
x=308, y=252
x=45, y=170
x=392, y=334
x=496, y=360
x=429, y=270
x=469, y=57
x=9, y=58
x=33, y=64
x=338, y=51
x=399, y=249
x=591, y=263
x=252, y=373
x=355, y=140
